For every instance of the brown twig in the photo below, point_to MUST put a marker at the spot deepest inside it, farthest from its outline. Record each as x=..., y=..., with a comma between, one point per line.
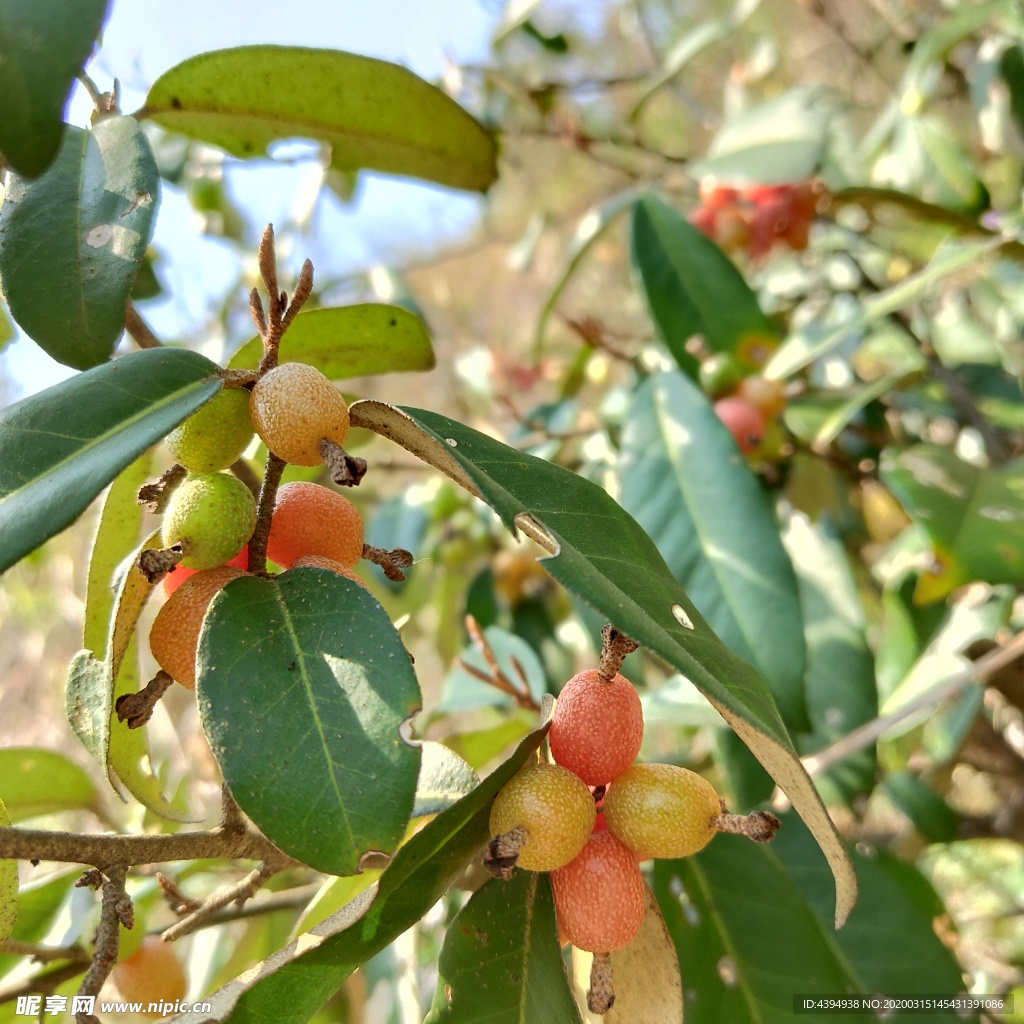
x=156, y=494
x=344, y=469
x=44, y=954
x=138, y=330
x=116, y=910
x=179, y=902
x=392, y=562
x=136, y=709
x=758, y=826
x=156, y=563
x=264, y=513
x=495, y=676
x=303, y=290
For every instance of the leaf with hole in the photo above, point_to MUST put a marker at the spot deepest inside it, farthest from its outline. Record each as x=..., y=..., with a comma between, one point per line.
x=371, y=113
x=72, y=241
x=308, y=666
x=60, y=448
x=600, y=553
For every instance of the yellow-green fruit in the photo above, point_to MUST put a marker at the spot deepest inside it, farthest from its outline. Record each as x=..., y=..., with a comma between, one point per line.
x=294, y=407
x=554, y=807
x=215, y=436
x=212, y=516
x=661, y=810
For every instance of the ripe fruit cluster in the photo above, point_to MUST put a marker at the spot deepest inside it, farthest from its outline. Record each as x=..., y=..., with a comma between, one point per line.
x=594, y=814
x=758, y=218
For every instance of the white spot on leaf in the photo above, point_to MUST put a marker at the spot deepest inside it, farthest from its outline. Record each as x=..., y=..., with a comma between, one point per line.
x=99, y=236
x=681, y=616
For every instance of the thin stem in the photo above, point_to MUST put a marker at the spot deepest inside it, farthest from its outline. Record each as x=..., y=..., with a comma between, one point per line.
x=116, y=910
x=265, y=512
x=239, y=892
x=138, y=330
x=44, y=954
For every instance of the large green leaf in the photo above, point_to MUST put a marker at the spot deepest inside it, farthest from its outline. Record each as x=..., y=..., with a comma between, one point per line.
x=72, y=241
x=307, y=665
x=43, y=45
x=60, y=448
x=350, y=341
x=974, y=517
x=693, y=288
x=685, y=482
x=600, y=553
x=34, y=781
x=290, y=986
x=371, y=113
x=500, y=962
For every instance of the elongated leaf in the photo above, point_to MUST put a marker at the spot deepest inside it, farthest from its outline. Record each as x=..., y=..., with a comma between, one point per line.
x=293, y=984
x=811, y=343
x=8, y=886
x=444, y=779
x=684, y=480
x=600, y=553
x=60, y=448
x=693, y=288
x=645, y=975
x=37, y=781
x=308, y=665
x=43, y=45
x=974, y=517
x=38, y=903
x=500, y=961
x=350, y=341
x=372, y=114
x=72, y=241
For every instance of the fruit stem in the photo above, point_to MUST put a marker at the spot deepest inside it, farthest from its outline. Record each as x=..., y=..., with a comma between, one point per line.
x=346, y=470
x=601, y=996
x=759, y=826
x=137, y=708
x=392, y=562
x=502, y=852
x=156, y=494
x=156, y=563
x=265, y=512
x=614, y=648
x=138, y=330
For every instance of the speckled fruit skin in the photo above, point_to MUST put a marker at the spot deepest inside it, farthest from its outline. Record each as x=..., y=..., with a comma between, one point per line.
x=175, y=633
x=293, y=408
x=599, y=896
x=743, y=420
x=213, y=516
x=153, y=973
x=215, y=436
x=661, y=810
x=310, y=519
x=554, y=807
x=597, y=727
x=316, y=562
x=179, y=573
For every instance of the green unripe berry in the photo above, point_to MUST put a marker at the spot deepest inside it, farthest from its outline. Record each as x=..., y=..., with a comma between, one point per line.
x=661, y=810
x=214, y=437
x=212, y=517
x=720, y=374
x=553, y=806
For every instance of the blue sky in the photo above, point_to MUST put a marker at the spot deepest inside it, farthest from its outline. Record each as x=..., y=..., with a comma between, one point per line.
x=389, y=218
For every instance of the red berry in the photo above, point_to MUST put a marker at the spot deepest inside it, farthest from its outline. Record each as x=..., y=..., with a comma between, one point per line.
x=597, y=727
x=179, y=573
x=743, y=421
x=704, y=219
x=310, y=519
x=599, y=896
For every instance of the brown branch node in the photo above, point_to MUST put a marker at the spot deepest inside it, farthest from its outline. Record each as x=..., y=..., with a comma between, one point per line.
x=156, y=563
x=156, y=494
x=346, y=470
x=136, y=709
x=758, y=826
x=615, y=646
x=502, y=852
x=116, y=910
x=392, y=562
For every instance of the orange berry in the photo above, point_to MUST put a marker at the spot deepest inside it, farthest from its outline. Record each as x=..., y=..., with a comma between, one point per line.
x=661, y=810
x=743, y=420
x=152, y=974
x=175, y=633
x=555, y=809
x=599, y=896
x=597, y=727
x=293, y=408
x=310, y=519
x=317, y=562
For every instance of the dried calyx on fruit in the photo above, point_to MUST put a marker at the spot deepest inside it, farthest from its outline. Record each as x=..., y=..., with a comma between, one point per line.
x=302, y=418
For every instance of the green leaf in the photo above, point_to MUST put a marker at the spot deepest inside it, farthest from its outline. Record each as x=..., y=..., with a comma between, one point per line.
x=693, y=288
x=840, y=676
x=289, y=988
x=371, y=113
x=43, y=45
x=60, y=448
x=683, y=479
x=928, y=812
x=308, y=666
x=601, y=554
x=72, y=241
x=974, y=517
x=350, y=341
x=1011, y=69
x=443, y=780
x=772, y=143
x=8, y=886
x=37, y=781
x=38, y=904
x=500, y=962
